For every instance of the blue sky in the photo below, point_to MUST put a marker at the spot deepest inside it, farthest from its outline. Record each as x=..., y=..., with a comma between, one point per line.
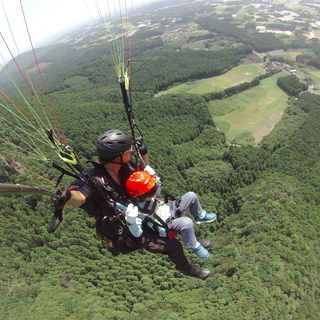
x=45, y=18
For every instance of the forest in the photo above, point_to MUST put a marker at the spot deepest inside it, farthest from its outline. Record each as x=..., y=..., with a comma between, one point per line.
x=265, y=256
x=291, y=85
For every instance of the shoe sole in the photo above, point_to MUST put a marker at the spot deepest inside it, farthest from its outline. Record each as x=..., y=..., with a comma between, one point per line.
x=200, y=222
x=204, y=258
x=206, y=246
x=206, y=276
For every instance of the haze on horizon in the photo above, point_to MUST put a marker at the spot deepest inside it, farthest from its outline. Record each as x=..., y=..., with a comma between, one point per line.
x=45, y=20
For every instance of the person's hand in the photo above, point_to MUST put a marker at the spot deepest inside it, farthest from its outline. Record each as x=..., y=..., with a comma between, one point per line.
x=150, y=170
x=141, y=145
x=132, y=213
x=58, y=204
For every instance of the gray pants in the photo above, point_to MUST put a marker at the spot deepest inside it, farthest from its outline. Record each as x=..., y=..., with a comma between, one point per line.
x=182, y=223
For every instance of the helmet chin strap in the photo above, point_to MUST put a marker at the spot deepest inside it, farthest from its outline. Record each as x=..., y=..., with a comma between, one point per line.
x=115, y=162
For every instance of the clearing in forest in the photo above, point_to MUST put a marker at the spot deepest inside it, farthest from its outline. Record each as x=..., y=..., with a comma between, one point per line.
x=247, y=117
x=243, y=73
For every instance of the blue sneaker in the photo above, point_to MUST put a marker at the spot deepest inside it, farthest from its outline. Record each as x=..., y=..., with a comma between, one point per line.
x=201, y=252
x=208, y=217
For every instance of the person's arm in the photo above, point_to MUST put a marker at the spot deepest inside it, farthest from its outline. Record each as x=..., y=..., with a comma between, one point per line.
x=145, y=159
x=77, y=199
x=66, y=198
x=143, y=149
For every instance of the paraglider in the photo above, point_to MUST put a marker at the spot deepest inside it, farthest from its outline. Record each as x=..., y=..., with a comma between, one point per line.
x=99, y=191
x=35, y=122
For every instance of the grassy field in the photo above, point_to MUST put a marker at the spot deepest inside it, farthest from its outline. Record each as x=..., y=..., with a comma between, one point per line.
x=294, y=53
x=242, y=73
x=311, y=72
x=314, y=74
x=249, y=116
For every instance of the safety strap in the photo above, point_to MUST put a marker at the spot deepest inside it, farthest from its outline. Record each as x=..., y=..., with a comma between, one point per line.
x=171, y=234
x=63, y=172
x=157, y=221
x=167, y=196
x=145, y=208
x=118, y=191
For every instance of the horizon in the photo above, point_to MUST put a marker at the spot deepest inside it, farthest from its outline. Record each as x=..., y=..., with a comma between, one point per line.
x=45, y=21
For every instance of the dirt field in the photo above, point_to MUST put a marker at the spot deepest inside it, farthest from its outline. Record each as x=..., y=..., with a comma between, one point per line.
x=41, y=66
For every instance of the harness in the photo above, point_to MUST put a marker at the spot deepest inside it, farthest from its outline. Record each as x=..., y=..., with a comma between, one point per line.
x=154, y=221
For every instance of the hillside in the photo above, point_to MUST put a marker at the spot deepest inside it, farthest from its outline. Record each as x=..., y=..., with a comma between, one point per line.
x=265, y=254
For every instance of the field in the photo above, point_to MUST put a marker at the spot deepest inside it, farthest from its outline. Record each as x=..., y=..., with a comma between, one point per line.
x=315, y=74
x=294, y=53
x=249, y=116
x=246, y=117
x=308, y=71
x=312, y=73
x=242, y=73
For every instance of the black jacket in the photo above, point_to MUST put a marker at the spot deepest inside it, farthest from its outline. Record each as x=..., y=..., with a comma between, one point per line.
x=101, y=203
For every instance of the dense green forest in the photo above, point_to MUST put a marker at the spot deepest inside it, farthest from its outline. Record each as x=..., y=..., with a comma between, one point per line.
x=265, y=256
x=291, y=85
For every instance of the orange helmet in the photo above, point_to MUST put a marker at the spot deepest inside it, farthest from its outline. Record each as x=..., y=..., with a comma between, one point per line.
x=139, y=183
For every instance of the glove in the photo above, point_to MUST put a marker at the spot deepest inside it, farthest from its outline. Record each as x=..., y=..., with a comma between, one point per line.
x=141, y=145
x=64, y=197
x=132, y=213
x=151, y=171
x=58, y=204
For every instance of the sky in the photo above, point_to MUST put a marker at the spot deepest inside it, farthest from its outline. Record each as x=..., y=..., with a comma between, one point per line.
x=45, y=18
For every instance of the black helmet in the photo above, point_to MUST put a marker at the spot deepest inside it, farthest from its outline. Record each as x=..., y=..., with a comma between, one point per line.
x=111, y=144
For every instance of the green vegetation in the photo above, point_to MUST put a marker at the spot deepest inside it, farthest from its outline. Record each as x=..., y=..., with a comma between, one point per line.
x=291, y=85
x=265, y=243
x=239, y=74
x=314, y=75
x=265, y=254
x=249, y=116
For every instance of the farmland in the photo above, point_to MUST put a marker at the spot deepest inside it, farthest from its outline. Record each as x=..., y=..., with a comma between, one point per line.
x=249, y=116
x=242, y=73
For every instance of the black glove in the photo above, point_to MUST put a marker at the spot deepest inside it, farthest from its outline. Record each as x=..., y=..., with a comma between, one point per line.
x=58, y=204
x=141, y=145
x=64, y=197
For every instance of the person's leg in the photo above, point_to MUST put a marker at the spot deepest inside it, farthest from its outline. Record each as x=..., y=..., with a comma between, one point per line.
x=186, y=227
x=173, y=248
x=188, y=201
x=191, y=201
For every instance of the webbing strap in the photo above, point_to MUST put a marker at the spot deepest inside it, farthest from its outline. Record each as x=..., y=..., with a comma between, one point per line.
x=167, y=196
x=63, y=171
